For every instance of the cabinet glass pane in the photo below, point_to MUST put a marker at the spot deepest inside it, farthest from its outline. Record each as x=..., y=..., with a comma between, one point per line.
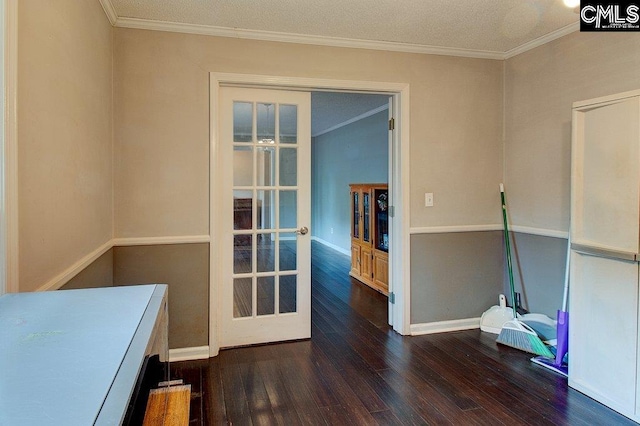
x=382, y=219
x=288, y=251
x=266, y=166
x=288, y=166
x=288, y=123
x=355, y=202
x=242, y=254
x=288, y=294
x=242, y=166
x=242, y=301
x=266, y=123
x=242, y=121
x=366, y=208
x=288, y=209
x=266, y=296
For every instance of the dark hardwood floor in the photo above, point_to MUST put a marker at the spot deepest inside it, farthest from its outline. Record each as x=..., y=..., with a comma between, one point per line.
x=355, y=370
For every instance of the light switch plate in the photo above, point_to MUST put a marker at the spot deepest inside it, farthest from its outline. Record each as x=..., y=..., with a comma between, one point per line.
x=428, y=199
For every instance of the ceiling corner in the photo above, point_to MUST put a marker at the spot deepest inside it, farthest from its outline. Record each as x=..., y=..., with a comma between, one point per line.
x=561, y=32
x=110, y=11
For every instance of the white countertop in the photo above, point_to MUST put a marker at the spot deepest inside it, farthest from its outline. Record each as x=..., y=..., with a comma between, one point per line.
x=60, y=351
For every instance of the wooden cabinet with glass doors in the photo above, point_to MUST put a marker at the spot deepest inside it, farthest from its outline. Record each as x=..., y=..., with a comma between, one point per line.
x=370, y=235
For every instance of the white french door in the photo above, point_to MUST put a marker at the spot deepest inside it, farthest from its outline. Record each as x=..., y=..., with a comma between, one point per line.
x=265, y=247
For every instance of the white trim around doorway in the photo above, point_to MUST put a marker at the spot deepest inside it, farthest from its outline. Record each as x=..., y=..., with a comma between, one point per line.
x=9, y=145
x=399, y=265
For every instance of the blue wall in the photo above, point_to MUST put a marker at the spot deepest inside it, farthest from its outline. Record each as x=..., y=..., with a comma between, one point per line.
x=355, y=153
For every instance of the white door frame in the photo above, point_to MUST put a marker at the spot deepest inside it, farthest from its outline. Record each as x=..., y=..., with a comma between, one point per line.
x=9, y=147
x=399, y=265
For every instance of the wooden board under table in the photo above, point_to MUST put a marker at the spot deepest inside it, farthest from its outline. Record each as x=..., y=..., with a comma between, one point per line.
x=168, y=406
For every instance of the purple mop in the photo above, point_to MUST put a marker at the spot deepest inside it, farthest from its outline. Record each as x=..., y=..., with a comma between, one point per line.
x=562, y=346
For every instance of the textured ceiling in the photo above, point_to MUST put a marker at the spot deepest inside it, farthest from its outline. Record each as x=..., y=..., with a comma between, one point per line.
x=475, y=25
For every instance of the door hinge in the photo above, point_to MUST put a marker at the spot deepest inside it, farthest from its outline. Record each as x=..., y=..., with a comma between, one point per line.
x=392, y=211
x=392, y=124
x=392, y=298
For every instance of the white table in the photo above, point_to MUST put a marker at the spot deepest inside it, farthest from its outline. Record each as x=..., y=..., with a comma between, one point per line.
x=72, y=357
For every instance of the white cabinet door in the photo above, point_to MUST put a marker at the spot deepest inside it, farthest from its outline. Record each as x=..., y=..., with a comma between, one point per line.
x=603, y=331
x=605, y=175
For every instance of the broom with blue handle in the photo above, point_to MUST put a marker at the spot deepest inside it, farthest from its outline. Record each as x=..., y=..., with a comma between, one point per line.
x=515, y=333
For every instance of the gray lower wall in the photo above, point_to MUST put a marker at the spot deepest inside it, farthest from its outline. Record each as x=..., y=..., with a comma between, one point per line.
x=184, y=267
x=455, y=275
x=538, y=269
x=356, y=153
x=98, y=274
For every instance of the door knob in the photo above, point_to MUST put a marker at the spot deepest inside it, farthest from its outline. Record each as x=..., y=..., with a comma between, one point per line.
x=302, y=231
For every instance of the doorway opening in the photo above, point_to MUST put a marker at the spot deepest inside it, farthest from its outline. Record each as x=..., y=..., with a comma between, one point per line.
x=350, y=167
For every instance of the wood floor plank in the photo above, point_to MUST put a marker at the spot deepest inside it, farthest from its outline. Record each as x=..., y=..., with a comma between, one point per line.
x=355, y=370
x=237, y=407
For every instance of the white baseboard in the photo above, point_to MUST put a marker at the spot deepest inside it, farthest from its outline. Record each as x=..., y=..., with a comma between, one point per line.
x=188, y=354
x=332, y=246
x=444, y=326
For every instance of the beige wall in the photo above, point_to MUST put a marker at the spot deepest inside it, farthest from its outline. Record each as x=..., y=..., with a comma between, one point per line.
x=64, y=135
x=540, y=88
x=162, y=124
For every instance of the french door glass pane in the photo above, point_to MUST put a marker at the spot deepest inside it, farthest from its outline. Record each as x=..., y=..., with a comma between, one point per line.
x=266, y=166
x=266, y=296
x=288, y=294
x=242, y=209
x=266, y=209
x=266, y=252
x=288, y=166
x=242, y=262
x=242, y=297
x=242, y=121
x=288, y=123
x=266, y=125
x=288, y=251
x=242, y=166
x=288, y=209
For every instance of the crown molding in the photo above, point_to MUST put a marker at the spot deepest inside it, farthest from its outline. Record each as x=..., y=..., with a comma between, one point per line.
x=547, y=38
x=110, y=11
x=176, y=27
x=144, y=24
x=352, y=120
